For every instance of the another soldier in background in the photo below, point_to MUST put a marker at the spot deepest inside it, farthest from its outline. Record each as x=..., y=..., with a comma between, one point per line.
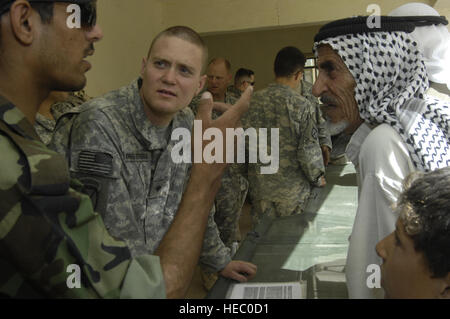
x=324, y=134
x=120, y=146
x=56, y=104
x=233, y=191
x=301, y=164
x=242, y=79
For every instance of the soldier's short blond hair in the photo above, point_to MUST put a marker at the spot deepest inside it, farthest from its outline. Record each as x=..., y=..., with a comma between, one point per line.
x=187, y=34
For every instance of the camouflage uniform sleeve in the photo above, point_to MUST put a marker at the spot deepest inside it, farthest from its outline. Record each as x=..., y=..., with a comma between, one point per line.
x=215, y=255
x=46, y=232
x=324, y=134
x=309, y=153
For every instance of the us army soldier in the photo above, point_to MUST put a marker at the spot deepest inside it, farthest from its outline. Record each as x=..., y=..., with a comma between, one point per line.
x=120, y=147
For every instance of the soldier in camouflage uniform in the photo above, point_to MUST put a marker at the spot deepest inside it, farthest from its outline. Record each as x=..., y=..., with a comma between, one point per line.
x=46, y=225
x=120, y=147
x=233, y=191
x=242, y=79
x=324, y=134
x=300, y=158
x=60, y=103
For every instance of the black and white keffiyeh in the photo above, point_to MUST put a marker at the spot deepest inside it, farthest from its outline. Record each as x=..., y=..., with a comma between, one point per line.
x=391, y=83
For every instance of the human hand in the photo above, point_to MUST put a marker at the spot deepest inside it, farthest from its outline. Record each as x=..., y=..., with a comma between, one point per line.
x=239, y=270
x=326, y=154
x=229, y=119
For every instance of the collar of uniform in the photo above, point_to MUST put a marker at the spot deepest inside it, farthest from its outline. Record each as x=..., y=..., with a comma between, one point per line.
x=281, y=86
x=48, y=170
x=152, y=134
x=16, y=120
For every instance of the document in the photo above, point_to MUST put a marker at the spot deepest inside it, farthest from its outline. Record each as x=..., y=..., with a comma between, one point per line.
x=268, y=290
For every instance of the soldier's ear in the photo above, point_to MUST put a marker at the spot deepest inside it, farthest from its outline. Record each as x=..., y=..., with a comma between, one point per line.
x=23, y=20
x=143, y=66
x=201, y=84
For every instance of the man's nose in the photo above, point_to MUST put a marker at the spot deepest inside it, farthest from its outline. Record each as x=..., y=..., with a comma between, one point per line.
x=319, y=86
x=169, y=76
x=381, y=247
x=95, y=34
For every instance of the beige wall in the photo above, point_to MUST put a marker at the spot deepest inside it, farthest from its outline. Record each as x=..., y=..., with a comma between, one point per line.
x=257, y=50
x=212, y=16
x=128, y=27
x=248, y=32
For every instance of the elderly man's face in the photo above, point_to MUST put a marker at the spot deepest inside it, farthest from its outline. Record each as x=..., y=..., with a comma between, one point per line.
x=404, y=271
x=336, y=88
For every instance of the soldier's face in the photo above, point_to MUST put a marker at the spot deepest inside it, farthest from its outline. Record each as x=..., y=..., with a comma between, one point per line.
x=171, y=77
x=336, y=88
x=218, y=78
x=62, y=50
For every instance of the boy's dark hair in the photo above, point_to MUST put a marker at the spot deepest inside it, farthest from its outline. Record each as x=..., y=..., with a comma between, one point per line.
x=289, y=61
x=428, y=196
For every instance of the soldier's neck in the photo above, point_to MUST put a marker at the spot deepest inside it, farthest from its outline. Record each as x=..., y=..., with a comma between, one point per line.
x=20, y=89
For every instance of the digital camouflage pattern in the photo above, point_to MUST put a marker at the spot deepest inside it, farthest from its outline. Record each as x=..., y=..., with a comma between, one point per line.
x=301, y=162
x=126, y=163
x=46, y=225
x=45, y=126
x=324, y=134
x=233, y=190
x=233, y=93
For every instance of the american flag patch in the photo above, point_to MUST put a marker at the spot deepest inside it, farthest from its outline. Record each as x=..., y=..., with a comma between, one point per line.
x=96, y=163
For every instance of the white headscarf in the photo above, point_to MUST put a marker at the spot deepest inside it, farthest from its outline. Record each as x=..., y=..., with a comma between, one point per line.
x=433, y=41
x=391, y=80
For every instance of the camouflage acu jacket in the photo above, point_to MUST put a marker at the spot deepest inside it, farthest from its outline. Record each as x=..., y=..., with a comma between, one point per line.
x=324, y=134
x=45, y=126
x=126, y=163
x=47, y=226
x=300, y=162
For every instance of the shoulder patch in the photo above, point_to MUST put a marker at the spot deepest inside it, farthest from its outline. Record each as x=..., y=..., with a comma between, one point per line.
x=95, y=162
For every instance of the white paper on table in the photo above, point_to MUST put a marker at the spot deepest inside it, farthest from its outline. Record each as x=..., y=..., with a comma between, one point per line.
x=268, y=290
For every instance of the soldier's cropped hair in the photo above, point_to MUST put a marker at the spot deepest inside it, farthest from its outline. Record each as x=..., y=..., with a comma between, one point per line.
x=221, y=60
x=242, y=73
x=425, y=212
x=289, y=61
x=187, y=34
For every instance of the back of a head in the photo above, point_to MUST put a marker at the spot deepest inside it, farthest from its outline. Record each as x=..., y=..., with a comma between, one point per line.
x=288, y=61
x=187, y=34
x=425, y=212
x=433, y=41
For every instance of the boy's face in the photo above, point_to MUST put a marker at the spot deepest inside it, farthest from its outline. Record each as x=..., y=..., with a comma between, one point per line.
x=404, y=272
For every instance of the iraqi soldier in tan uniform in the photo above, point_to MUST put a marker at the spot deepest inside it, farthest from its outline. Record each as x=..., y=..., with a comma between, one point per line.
x=120, y=146
x=301, y=166
x=47, y=226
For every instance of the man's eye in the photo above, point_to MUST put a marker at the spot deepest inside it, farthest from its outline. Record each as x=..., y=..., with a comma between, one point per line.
x=159, y=64
x=185, y=70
